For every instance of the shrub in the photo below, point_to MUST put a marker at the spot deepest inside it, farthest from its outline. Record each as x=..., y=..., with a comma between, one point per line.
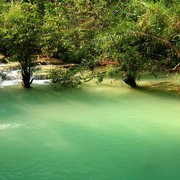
x=65, y=78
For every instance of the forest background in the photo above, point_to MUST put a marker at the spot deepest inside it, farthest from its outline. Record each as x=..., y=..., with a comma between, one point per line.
x=135, y=35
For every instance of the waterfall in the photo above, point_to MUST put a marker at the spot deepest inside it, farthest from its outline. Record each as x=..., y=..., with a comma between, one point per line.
x=10, y=77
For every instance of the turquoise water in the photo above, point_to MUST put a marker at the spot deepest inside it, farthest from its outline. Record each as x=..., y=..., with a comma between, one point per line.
x=105, y=132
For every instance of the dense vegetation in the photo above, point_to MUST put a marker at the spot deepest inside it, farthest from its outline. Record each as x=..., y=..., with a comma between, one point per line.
x=138, y=35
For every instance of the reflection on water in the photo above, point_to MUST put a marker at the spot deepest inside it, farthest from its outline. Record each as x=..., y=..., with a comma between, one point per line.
x=99, y=132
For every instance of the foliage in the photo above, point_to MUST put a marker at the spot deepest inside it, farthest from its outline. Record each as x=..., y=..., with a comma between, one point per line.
x=65, y=78
x=158, y=30
x=69, y=29
x=19, y=36
x=112, y=71
x=143, y=32
x=139, y=35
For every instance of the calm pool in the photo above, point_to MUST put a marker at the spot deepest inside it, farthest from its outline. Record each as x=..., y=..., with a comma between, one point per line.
x=105, y=132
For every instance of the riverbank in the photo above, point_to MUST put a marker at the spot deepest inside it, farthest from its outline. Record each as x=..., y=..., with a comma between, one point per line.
x=163, y=82
x=166, y=83
x=9, y=66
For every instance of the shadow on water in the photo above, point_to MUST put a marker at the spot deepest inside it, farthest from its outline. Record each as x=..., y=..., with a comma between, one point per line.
x=161, y=89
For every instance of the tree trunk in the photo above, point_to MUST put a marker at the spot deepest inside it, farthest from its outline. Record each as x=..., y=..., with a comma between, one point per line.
x=26, y=78
x=26, y=71
x=130, y=81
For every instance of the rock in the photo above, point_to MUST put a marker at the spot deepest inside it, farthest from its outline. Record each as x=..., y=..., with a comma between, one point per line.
x=108, y=62
x=3, y=74
x=45, y=60
x=67, y=66
x=3, y=59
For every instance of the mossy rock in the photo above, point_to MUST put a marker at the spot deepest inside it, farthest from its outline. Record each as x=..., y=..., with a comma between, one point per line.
x=3, y=59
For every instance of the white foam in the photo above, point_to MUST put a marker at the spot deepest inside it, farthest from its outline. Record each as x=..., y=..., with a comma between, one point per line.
x=9, y=126
x=9, y=82
x=42, y=82
x=18, y=81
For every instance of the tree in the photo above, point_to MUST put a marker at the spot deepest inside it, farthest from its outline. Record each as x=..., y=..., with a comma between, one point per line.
x=158, y=30
x=140, y=35
x=20, y=35
x=70, y=28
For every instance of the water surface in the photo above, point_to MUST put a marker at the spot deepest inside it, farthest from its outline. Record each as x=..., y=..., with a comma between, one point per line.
x=105, y=132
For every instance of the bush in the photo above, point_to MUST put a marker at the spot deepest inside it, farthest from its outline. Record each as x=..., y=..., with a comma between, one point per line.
x=65, y=78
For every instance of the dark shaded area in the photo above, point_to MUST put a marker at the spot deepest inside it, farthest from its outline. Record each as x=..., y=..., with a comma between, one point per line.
x=163, y=89
x=131, y=81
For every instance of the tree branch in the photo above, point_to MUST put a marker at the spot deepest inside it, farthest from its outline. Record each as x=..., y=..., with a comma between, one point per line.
x=175, y=68
x=165, y=41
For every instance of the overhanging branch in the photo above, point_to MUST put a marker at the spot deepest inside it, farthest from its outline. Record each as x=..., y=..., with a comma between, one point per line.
x=165, y=41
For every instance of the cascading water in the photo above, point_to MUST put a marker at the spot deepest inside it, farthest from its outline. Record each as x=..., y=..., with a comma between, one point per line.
x=13, y=76
x=9, y=76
